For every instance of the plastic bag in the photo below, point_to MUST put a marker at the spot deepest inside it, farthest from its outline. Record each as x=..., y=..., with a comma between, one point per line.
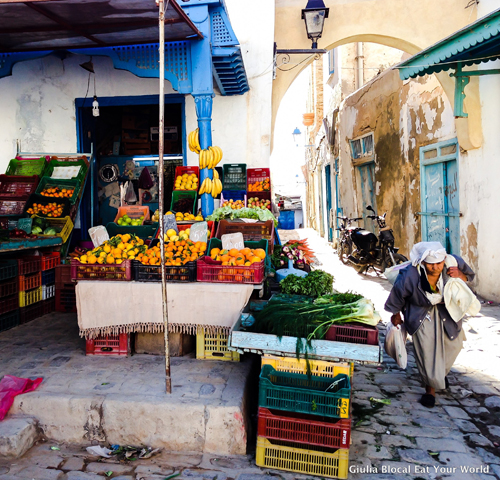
x=145, y=179
x=392, y=273
x=395, y=343
x=10, y=387
x=130, y=196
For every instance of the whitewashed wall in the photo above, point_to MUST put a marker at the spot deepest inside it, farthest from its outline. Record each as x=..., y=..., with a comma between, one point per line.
x=38, y=100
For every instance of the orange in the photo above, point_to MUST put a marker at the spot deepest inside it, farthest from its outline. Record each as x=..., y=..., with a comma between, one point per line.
x=260, y=253
x=214, y=252
x=245, y=251
x=225, y=258
x=255, y=259
x=233, y=252
x=240, y=260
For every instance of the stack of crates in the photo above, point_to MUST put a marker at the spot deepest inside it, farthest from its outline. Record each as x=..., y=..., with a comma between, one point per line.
x=30, y=288
x=65, y=290
x=304, y=423
x=9, y=295
x=49, y=265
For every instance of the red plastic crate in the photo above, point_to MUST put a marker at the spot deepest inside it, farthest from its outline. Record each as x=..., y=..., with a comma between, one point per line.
x=109, y=345
x=50, y=260
x=258, y=175
x=17, y=186
x=84, y=271
x=63, y=276
x=9, y=287
x=300, y=428
x=27, y=314
x=49, y=305
x=353, y=333
x=12, y=206
x=189, y=170
x=10, y=303
x=28, y=282
x=29, y=264
x=66, y=300
x=260, y=196
x=213, y=273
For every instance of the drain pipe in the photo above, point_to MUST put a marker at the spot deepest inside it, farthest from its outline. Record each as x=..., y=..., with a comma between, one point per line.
x=359, y=58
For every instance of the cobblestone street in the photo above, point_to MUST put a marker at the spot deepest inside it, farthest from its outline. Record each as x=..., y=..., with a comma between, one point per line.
x=458, y=439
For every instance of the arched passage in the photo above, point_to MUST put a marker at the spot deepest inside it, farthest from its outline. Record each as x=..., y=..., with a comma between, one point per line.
x=407, y=26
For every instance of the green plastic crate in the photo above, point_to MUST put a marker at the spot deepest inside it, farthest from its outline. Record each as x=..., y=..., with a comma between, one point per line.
x=8, y=269
x=142, y=231
x=28, y=167
x=234, y=176
x=47, y=182
x=294, y=392
x=68, y=163
x=181, y=194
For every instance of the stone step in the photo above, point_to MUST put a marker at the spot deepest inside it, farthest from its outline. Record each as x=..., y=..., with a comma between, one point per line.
x=18, y=433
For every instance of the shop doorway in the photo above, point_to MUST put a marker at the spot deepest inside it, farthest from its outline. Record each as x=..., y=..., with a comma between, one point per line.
x=367, y=182
x=125, y=141
x=329, y=209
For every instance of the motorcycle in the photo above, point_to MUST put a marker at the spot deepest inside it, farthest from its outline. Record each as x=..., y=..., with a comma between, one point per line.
x=363, y=250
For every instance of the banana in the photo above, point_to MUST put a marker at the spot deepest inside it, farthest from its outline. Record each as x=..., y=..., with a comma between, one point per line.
x=214, y=188
x=197, y=140
x=202, y=159
x=210, y=156
x=219, y=185
x=190, y=144
x=216, y=174
x=218, y=151
x=204, y=185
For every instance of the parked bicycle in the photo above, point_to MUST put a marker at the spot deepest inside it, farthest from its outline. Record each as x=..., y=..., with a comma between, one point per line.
x=344, y=247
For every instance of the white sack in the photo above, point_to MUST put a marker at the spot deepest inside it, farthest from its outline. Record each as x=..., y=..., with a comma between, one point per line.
x=392, y=273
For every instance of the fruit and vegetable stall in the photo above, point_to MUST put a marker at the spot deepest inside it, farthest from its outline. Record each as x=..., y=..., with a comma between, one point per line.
x=229, y=282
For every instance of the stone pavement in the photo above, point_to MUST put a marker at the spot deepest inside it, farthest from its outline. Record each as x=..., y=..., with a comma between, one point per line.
x=458, y=439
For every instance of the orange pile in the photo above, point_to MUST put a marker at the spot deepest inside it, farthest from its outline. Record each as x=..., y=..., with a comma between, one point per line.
x=245, y=256
x=176, y=253
x=57, y=192
x=259, y=186
x=51, y=209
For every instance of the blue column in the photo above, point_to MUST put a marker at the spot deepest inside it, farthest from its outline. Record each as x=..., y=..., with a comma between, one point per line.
x=203, y=105
x=203, y=89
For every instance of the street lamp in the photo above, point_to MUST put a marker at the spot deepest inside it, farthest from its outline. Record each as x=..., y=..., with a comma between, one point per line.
x=314, y=17
x=296, y=135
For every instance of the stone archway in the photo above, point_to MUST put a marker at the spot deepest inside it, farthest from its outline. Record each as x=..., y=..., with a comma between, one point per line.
x=407, y=26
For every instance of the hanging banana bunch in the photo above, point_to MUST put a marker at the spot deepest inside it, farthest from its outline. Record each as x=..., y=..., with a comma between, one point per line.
x=210, y=157
x=194, y=141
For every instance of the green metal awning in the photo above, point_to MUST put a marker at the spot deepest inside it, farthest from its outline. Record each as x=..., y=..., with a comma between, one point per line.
x=476, y=43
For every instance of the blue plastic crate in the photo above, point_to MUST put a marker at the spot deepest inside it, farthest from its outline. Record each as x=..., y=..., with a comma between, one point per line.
x=234, y=195
x=49, y=277
x=286, y=220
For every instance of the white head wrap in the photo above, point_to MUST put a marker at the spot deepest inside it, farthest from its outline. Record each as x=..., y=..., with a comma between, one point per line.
x=429, y=252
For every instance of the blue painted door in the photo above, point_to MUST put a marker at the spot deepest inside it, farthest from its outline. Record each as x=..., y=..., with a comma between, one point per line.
x=440, y=195
x=328, y=183
x=338, y=203
x=367, y=178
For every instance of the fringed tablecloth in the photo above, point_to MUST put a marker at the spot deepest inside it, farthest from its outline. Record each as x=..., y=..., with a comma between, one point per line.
x=111, y=308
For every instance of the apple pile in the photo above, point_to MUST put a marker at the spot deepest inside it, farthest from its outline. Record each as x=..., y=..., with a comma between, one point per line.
x=255, y=202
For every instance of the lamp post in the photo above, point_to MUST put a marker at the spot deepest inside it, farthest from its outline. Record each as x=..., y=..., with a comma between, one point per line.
x=314, y=17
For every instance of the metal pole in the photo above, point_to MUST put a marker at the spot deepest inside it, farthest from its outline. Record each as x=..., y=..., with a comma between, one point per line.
x=161, y=193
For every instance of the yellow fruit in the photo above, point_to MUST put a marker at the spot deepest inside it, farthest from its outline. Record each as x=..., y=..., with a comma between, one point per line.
x=92, y=259
x=121, y=246
x=107, y=248
x=110, y=259
x=83, y=259
x=100, y=260
x=102, y=255
x=171, y=232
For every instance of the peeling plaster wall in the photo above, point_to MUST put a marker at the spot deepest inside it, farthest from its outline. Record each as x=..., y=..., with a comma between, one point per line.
x=403, y=117
x=38, y=99
x=480, y=193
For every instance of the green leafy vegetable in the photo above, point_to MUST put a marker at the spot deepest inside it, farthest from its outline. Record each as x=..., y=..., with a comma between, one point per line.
x=255, y=213
x=314, y=284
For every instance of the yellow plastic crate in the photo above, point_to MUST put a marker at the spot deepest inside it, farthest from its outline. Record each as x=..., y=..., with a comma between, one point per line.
x=292, y=459
x=214, y=347
x=64, y=224
x=30, y=296
x=319, y=368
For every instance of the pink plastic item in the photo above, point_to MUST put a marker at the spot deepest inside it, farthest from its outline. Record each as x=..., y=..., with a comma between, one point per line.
x=11, y=386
